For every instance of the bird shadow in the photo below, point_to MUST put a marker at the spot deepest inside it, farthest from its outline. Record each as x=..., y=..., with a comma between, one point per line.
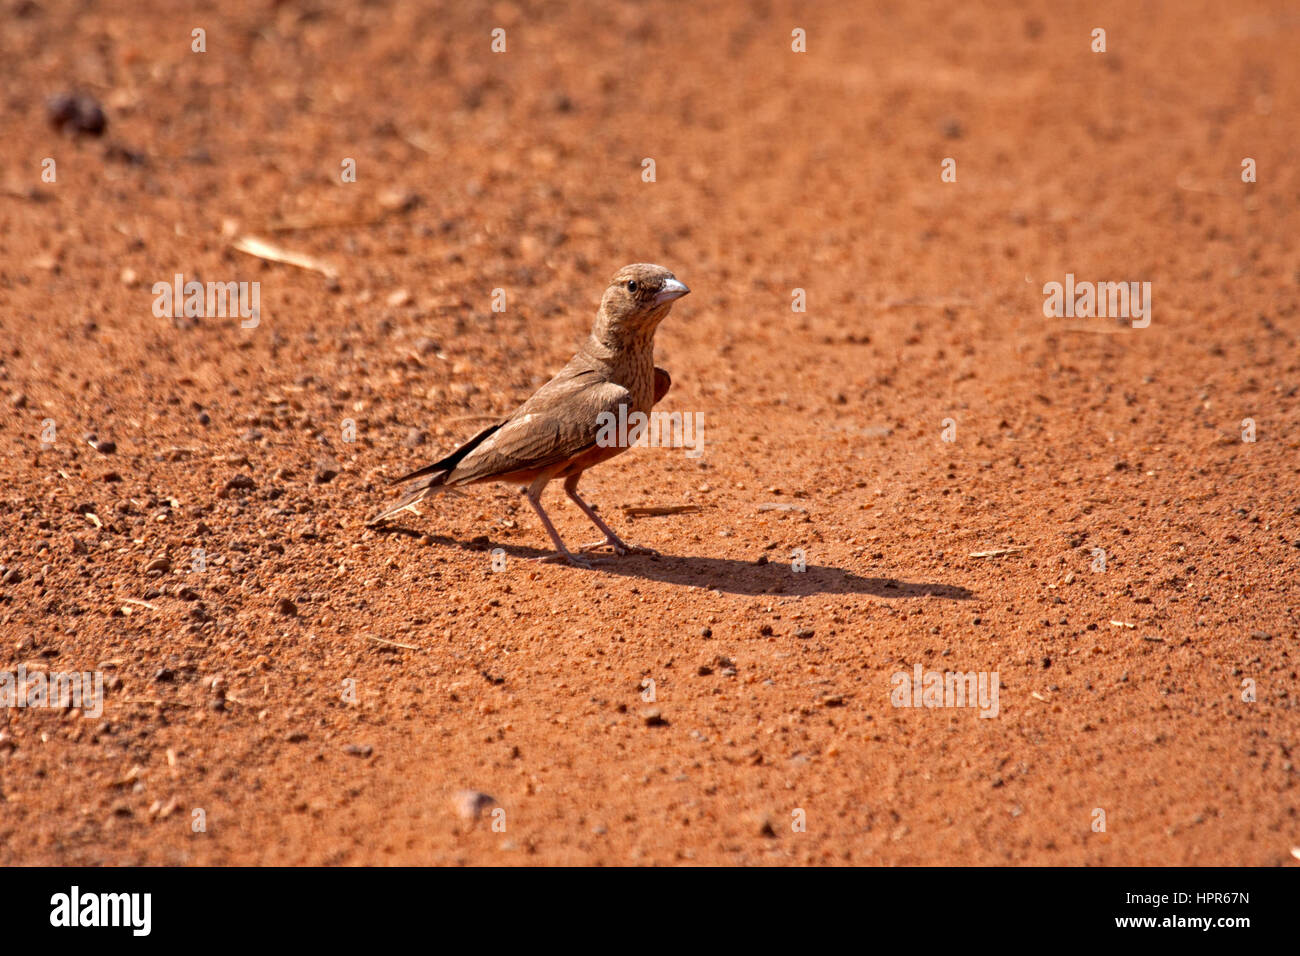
x=721, y=574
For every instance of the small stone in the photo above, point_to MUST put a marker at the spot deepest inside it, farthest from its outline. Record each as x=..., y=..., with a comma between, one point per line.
x=160, y=564
x=204, y=418
x=105, y=447
x=286, y=607
x=470, y=804
x=399, y=200
x=653, y=717
x=77, y=113
x=804, y=633
x=358, y=750
x=326, y=471
x=244, y=482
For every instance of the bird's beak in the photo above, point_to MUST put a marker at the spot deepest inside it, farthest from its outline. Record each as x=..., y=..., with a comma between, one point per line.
x=672, y=290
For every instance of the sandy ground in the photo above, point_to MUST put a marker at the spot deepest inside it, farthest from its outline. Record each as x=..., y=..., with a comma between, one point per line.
x=300, y=689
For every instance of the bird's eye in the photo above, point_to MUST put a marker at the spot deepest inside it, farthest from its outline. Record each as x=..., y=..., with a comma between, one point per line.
x=631, y=285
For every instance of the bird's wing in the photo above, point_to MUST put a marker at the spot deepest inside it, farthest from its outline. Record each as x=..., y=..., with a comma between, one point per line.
x=558, y=423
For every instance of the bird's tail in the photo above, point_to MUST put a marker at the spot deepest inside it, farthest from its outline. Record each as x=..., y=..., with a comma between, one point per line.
x=430, y=484
x=433, y=478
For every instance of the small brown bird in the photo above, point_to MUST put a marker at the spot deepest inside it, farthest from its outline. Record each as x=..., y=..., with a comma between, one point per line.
x=554, y=433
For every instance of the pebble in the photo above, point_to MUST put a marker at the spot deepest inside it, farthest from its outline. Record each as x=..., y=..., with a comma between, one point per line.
x=326, y=471
x=470, y=804
x=76, y=113
x=160, y=564
x=286, y=607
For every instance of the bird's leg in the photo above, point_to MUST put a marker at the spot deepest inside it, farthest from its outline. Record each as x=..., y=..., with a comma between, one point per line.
x=534, y=496
x=611, y=539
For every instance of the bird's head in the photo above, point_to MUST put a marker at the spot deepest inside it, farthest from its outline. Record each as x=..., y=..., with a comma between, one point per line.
x=639, y=296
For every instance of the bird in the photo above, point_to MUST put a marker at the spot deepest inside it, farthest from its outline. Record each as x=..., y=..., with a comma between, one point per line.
x=554, y=434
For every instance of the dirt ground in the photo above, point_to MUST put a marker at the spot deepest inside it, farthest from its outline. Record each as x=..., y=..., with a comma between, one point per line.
x=284, y=685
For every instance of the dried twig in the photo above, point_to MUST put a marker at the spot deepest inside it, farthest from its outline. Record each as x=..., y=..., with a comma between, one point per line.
x=643, y=511
x=272, y=253
x=998, y=552
x=380, y=640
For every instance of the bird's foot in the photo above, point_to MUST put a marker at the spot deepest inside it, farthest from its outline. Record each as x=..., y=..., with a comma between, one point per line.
x=564, y=557
x=619, y=547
